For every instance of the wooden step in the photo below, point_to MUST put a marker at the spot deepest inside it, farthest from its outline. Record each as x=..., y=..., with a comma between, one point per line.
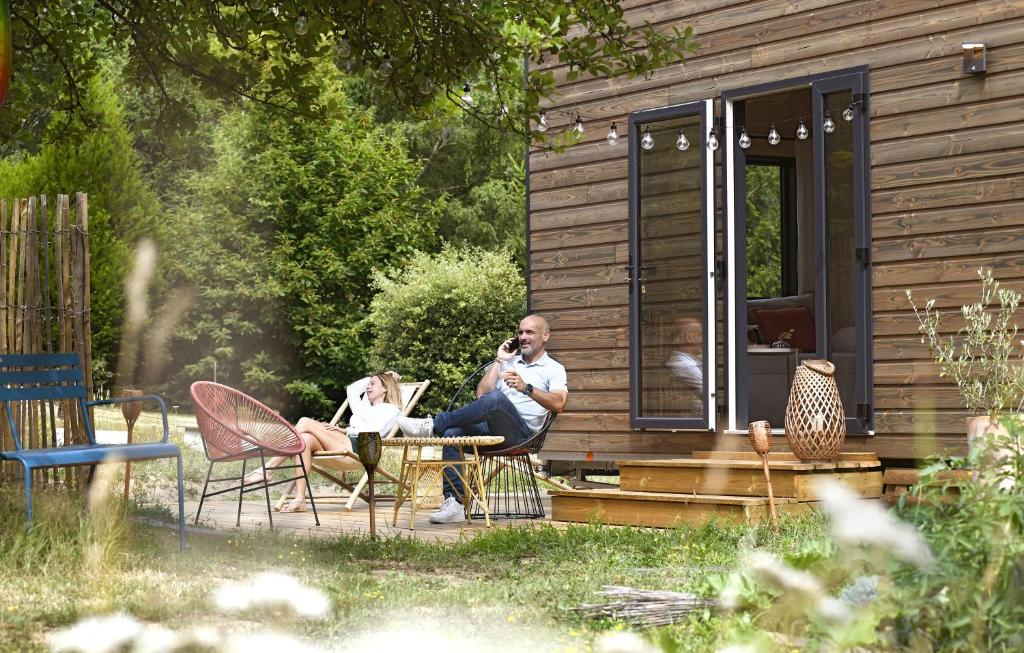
x=661, y=510
x=742, y=475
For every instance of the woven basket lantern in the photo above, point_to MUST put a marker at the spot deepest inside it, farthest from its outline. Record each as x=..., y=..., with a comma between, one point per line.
x=815, y=419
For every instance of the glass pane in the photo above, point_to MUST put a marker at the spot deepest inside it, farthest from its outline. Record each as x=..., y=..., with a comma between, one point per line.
x=764, y=230
x=843, y=268
x=670, y=295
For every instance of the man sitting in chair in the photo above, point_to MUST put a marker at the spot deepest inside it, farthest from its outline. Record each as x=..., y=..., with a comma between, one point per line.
x=513, y=398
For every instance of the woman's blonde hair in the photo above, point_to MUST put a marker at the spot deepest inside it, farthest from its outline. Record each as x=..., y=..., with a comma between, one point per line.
x=392, y=393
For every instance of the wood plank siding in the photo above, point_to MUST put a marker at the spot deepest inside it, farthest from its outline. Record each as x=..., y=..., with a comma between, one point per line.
x=947, y=196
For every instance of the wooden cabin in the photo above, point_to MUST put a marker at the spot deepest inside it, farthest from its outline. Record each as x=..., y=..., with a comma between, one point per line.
x=890, y=138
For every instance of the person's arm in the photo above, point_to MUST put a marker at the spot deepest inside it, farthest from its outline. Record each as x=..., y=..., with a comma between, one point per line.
x=553, y=399
x=355, y=391
x=490, y=380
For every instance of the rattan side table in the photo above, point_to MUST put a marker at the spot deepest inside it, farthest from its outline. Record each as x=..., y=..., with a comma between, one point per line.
x=414, y=467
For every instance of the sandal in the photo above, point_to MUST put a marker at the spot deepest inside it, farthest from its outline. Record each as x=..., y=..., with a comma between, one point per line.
x=258, y=476
x=295, y=505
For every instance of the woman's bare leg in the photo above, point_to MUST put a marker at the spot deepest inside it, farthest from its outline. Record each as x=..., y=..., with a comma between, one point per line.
x=317, y=437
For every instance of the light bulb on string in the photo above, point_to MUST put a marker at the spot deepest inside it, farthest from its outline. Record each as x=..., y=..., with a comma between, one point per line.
x=542, y=122
x=256, y=5
x=426, y=86
x=647, y=141
x=744, y=140
x=829, y=125
x=467, y=95
x=682, y=144
x=848, y=113
x=302, y=23
x=801, y=131
x=578, y=125
x=613, y=134
x=343, y=50
x=712, y=140
x=385, y=68
x=774, y=138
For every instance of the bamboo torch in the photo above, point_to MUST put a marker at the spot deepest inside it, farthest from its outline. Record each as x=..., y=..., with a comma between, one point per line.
x=761, y=439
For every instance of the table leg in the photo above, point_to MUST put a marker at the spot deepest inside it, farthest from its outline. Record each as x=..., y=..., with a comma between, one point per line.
x=413, y=499
x=481, y=490
x=403, y=478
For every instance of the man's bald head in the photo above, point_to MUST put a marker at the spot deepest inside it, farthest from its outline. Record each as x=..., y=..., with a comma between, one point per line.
x=533, y=336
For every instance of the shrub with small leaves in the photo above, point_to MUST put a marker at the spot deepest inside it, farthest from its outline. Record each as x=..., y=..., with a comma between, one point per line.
x=444, y=314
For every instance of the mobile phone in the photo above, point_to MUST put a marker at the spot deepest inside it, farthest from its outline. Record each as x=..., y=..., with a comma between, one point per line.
x=512, y=346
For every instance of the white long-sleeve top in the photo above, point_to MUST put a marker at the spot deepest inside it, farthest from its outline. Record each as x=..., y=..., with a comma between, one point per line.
x=380, y=418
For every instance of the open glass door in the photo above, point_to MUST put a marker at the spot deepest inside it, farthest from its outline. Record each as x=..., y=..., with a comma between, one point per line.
x=842, y=203
x=671, y=280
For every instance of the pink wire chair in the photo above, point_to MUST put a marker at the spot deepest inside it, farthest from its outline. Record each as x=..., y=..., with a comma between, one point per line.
x=234, y=427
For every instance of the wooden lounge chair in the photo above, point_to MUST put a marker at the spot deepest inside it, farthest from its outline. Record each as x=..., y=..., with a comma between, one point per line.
x=333, y=465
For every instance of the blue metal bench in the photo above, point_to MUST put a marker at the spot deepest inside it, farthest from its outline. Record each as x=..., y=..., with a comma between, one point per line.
x=59, y=378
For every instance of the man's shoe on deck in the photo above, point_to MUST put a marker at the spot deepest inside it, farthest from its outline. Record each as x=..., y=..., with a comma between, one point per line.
x=451, y=512
x=414, y=427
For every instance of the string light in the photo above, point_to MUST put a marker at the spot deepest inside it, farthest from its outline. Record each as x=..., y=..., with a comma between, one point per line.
x=302, y=23
x=426, y=86
x=801, y=131
x=829, y=125
x=343, y=50
x=682, y=144
x=774, y=138
x=385, y=68
x=467, y=95
x=578, y=125
x=848, y=114
x=542, y=122
x=613, y=134
x=647, y=141
x=256, y=5
x=744, y=138
x=712, y=140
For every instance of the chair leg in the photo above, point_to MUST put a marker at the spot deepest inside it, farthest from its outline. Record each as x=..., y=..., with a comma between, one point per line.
x=355, y=492
x=181, y=507
x=28, y=498
x=309, y=491
x=266, y=490
x=206, y=485
x=241, y=491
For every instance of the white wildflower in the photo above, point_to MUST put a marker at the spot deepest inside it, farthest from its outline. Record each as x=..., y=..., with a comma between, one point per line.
x=273, y=589
x=737, y=648
x=157, y=639
x=773, y=571
x=267, y=643
x=623, y=642
x=858, y=521
x=104, y=634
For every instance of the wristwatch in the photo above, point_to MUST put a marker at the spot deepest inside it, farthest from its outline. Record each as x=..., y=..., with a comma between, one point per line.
x=529, y=389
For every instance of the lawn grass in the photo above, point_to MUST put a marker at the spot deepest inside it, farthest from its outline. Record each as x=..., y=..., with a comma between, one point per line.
x=508, y=586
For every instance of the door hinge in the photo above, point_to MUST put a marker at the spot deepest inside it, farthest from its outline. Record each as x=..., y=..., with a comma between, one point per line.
x=863, y=255
x=719, y=271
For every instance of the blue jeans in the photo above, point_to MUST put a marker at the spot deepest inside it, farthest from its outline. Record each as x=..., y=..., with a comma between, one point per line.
x=492, y=413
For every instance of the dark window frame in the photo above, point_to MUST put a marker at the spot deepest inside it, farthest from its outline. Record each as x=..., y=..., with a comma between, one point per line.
x=708, y=421
x=856, y=80
x=787, y=215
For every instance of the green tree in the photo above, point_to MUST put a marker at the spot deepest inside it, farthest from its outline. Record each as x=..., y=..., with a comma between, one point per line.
x=764, y=235
x=292, y=217
x=441, y=315
x=93, y=153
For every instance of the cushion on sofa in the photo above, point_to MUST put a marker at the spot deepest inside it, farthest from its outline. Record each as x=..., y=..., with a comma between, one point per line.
x=798, y=319
x=772, y=303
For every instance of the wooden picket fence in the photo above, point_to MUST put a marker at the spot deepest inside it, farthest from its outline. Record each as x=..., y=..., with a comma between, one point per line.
x=44, y=307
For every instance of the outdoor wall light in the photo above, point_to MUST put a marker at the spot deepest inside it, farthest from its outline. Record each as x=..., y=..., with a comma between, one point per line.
x=613, y=134
x=578, y=125
x=647, y=141
x=745, y=138
x=974, y=58
x=682, y=144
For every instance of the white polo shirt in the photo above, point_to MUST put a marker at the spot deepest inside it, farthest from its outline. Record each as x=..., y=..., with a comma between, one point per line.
x=545, y=373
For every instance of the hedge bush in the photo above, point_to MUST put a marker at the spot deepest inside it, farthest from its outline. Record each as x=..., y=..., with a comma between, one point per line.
x=442, y=315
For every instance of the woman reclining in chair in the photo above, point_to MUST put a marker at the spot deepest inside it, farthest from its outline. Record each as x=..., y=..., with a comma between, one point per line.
x=376, y=402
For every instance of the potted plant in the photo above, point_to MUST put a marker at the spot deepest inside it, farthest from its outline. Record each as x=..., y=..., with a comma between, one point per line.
x=986, y=361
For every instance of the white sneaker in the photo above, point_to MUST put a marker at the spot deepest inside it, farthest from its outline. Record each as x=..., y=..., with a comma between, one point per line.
x=414, y=427
x=451, y=512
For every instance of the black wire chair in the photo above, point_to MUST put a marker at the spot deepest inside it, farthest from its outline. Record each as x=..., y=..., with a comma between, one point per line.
x=512, y=490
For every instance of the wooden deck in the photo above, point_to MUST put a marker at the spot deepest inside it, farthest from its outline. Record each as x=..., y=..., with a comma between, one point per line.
x=335, y=520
